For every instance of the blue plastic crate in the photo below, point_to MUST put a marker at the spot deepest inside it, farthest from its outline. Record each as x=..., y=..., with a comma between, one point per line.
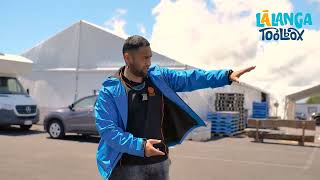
x=260, y=114
x=222, y=115
x=222, y=120
x=224, y=123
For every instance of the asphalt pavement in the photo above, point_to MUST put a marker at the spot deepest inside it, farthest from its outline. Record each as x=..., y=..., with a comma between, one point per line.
x=32, y=155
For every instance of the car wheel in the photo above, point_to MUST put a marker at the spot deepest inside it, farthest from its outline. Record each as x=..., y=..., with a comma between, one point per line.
x=25, y=127
x=56, y=129
x=317, y=121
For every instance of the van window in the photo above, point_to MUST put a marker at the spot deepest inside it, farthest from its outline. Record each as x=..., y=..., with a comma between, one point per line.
x=10, y=85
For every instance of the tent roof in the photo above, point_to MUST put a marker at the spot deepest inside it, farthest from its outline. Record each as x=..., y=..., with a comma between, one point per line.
x=84, y=45
x=14, y=58
x=304, y=93
x=14, y=65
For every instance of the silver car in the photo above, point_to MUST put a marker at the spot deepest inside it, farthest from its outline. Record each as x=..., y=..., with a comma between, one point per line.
x=76, y=118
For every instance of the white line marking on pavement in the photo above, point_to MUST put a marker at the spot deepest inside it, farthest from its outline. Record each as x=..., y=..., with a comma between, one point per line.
x=244, y=162
x=309, y=161
x=222, y=148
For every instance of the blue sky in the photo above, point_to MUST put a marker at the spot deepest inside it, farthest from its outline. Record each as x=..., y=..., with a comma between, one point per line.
x=26, y=23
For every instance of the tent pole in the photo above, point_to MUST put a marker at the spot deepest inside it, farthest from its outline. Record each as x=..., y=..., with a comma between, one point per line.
x=77, y=68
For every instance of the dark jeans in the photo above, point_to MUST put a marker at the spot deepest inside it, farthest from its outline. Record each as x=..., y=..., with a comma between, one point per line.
x=156, y=171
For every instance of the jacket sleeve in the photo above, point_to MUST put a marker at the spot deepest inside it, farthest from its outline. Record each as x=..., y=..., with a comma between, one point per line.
x=193, y=79
x=106, y=122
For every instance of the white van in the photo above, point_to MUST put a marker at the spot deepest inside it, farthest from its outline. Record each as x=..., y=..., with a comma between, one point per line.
x=16, y=105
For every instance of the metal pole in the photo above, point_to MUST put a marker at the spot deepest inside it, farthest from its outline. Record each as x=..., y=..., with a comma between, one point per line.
x=77, y=68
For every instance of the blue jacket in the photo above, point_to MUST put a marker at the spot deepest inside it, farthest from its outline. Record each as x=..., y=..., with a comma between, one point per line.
x=111, y=111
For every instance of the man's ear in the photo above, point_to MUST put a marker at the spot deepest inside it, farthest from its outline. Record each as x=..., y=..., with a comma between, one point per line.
x=126, y=57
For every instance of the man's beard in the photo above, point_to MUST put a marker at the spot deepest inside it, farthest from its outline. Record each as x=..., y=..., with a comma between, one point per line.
x=135, y=71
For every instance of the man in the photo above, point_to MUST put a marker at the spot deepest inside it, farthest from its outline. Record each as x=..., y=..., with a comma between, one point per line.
x=139, y=115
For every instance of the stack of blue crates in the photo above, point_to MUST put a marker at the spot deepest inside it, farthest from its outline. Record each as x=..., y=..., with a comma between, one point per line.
x=223, y=122
x=260, y=110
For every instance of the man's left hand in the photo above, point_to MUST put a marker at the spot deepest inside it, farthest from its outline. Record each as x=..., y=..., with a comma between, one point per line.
x=236, y=74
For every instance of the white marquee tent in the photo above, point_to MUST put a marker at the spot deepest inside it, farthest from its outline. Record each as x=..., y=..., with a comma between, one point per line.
x=74, y=63
x=291, y=99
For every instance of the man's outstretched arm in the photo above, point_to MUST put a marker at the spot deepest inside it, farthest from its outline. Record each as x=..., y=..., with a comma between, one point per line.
x=193, y=79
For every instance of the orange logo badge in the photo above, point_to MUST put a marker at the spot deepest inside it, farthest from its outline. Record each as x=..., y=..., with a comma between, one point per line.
x=151, y=91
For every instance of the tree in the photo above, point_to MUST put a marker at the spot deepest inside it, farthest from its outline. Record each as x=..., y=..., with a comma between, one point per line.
x=315, y=99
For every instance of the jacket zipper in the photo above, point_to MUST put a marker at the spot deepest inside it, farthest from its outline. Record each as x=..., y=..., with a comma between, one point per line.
x=162, y=108
x=161, y=119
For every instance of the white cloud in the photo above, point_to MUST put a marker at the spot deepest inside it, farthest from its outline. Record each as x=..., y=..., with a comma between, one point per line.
x=142, y=29
x=115, y=25
x=226, y=37
x=121, y=11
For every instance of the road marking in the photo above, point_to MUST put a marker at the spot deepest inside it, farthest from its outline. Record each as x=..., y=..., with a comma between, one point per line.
x=319, y=138
x=207, y=148
x=243, y=162
x=309, y=161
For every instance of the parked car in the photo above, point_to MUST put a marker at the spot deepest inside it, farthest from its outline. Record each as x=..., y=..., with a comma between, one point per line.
x=76, y=118
x=316, y=117
x=301, y=116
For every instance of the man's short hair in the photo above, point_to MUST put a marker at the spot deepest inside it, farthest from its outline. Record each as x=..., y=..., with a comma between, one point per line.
x=133, y=43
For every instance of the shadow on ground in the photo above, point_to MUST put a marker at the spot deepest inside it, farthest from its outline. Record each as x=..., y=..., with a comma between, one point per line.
x=17, y=131
x=79, y=138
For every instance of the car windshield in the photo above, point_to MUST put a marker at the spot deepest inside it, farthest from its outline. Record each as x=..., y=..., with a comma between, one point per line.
x=10, y=85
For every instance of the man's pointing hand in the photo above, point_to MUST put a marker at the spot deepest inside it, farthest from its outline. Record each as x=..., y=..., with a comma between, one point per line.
x=236, y=74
